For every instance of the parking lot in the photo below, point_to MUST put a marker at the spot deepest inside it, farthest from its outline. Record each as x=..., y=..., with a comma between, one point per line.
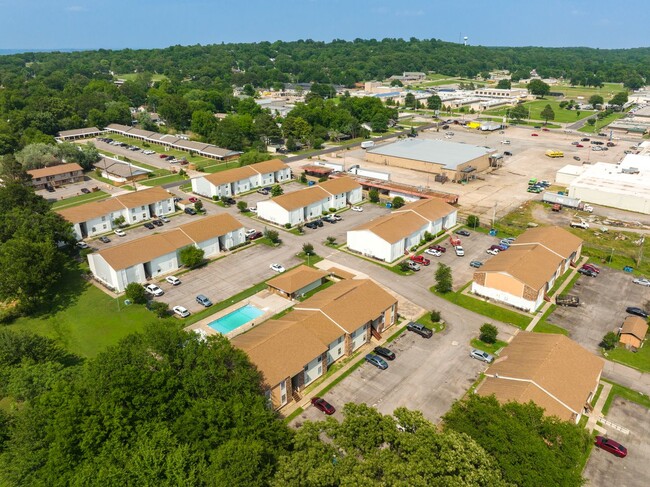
x=603, y=301
x=603, y=468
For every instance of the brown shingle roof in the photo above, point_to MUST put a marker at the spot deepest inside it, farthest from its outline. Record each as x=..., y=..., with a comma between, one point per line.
x=300, y=198
x=75, y=132
x=295, y=279
x=394, y=227
x=230, y=175
x=432, y=209
x=212, y=226
x=339, y=185
x=318, y=324
x=266, y=167
x=561, y=369
x=554, y=238
x=55, y=170
x=634, y=325
x=532, y=264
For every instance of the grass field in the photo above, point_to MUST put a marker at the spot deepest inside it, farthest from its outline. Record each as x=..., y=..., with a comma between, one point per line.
x=79, y=200
x=575, y=92
x=171, y=178
x=625, y=393
x=218, y=166
x=598, y=126
x=132, y=76
x=639, y=360
x=561, y=115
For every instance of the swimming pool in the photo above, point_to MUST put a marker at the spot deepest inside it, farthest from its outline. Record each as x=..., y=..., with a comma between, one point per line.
x=235, y=319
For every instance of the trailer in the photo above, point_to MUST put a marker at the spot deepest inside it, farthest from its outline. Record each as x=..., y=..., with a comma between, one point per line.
x=567, y=300
x=553, y=198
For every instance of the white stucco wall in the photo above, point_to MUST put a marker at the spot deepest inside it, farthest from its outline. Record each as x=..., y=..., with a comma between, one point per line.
x=313, y=370
x=369, y=244
x=358, y=337
x=164, y=264
x=507, y=298
x=336, y=349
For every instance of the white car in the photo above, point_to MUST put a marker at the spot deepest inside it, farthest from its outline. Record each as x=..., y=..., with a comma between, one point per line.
x=492, y=251
x=588, y=208
x=149, y=152
x=356, y=208
x=164, y=219
x=173, y=280
x=277, y=267
x=250, y=232
x=83, y=245
x=434, y=252
x=252, y=209
x=120, y=233
x=459, y=251
x=154, y=290
x=181, y=311
x=506, y=142
x=642, y=281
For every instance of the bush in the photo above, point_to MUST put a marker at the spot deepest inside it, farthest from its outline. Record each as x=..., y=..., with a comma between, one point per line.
x=322, y=179
x=308, y=249
x=198, y=205
x=489, y=333
x=473, y=221
x=303, y=178
x=609, y=341
x=242, y=206
x=428, y=237
x=332, y=210
x=272, y=235
x=373, y=195
x=287, y=225
x=404, y=265
x=398, y=202
x=215, y=198
x=160, y=309
x=299, y=227
x=331, y=240
x=136, y=293
x=435, y=316
x=191, y=256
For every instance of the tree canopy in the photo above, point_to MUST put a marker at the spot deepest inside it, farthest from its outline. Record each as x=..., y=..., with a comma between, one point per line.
x=539, y=88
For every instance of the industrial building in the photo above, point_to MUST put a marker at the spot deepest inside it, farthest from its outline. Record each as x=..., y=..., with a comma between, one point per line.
x=447, y=160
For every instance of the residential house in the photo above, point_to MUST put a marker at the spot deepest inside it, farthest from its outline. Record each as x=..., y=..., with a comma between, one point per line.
x=309, y=203
x=523, y=275
x=633, y=332
x=120, y=172
x=551, y=370
x=388, y=237
x=158, y=254
x=55, y=176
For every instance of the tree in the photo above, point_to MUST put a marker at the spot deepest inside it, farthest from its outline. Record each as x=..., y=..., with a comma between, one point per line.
x=443, y=279
x=434, y=102
x=277, y=190
x=11, y=170
x=530, y=449
x=367, y=448
x=308, y=249
x=547, y=114
x=198, y=206
x=373, y=195
x=36, y=156
x=249, y=90
x=191, y=256
x=396, y=82
x=473, y=221
x=596, y=100
x=409, y=100
x=146, y=123
x=242, y=206
x=135, y=293
x=519, y=112
x=489, y=333
x=331, y=240
x=272, y=235
x=504, y=84
x=398, y=202
x=176, y=111
x=538, y=88
x=159, y=308
x=253, y=157
x=610, y=340
x=619, y=99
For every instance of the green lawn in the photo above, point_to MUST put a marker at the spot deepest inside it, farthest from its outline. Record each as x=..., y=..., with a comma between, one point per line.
x=544, y=327
x=218, y=166
x=79, y=200
x=490, y=348
x=598, y=126
x=562, y=115
x=162, y=150
x=132, y=76
x=425, y=319
x=172, y=178
x=625, y=393
x=639, y=360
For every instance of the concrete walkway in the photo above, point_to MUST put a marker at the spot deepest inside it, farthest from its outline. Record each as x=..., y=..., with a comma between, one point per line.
x=596, y=414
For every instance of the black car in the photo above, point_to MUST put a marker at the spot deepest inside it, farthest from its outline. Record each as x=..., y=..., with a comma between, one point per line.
x=507, y=153
x=230, y=201
x=587, y=272
x=190, y=211
x=85, y=190
x=636, y=311
x=158, y=223
x=149, y=225
x=104, y=239
x=319, y=222
x=420, y=329
x=464, y=233
x=50, y=189
x=255, y=236
x=445, y=127
x=312, y=225
x=384, y=352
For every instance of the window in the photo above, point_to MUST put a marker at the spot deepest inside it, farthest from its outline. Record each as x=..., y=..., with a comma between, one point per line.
x=319, y=359
x=340, y=351
x=103, y=218
x=142, y=207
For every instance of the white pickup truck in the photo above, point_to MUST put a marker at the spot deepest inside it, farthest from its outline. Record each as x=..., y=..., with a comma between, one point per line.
x=583, y=225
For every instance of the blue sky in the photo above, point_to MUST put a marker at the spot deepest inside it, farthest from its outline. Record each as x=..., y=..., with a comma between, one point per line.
x=116, y=24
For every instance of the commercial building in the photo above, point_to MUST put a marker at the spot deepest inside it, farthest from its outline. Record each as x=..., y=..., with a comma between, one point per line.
x=98, y=217
x=55, y=176
x=79, y=133
x=154, y=255
x=551, y=370
x=388, y=237
x=522, y=275
x=120, y=172
x=625, y=186
x=297, y=282
x=241, y=179
x=632, y=333
x=297, y=349
x=451, y=160
x=309, y=203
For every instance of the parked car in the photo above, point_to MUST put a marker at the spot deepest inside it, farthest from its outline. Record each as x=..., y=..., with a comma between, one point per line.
x=85, y=190
x=181, y=311
x=495, y=247
x=173, y=280
x=460, y=252
x=611, y=446
x=585, y=139
x=642, y=281
x=633, y=310
x=434, y=252
x=163, y=156
x=149, y=225
x=154, y=290
x=255, y=236
x=203, y=300
x=439, y=248
x=420, y=260
x=567, y=300
x=492, y=251
x=357, y=208
x=250, y=232
x=587, y=272
x=277, y=267
x=263, y=191
x=534, y=135
x=336, y=217
x=611, y=144
x=414, y=266
x=579, y=146
x=592, y=267
x=576, y=158
x=583, y=225
x=104, y=239
x=385, y=352
x=322, y=405
x=329, y=219
x=507, y=153
x=377, y=361
x=476, y=264
x=545, y=130
x=420, y=329
x=158, y=223
x=164, y=219
x=192, y=199
x=83, y=245
x=190, y=211
x=464, y=233
x=505, y=243
x=312, y=225
x=481, y=355
x=119, y=233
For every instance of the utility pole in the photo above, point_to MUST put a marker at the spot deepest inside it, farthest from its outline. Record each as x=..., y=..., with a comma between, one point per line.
x=494, y=214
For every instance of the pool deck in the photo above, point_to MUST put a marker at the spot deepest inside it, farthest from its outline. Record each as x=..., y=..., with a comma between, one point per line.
x=266, y=301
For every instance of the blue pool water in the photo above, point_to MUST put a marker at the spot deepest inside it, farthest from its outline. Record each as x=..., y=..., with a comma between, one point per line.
x=235, y=319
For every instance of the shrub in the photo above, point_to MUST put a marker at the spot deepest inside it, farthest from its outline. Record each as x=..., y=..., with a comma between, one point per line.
x=428, y=237
x=136, y=293
x=373, y=195
x=191, y=256
x=322, y=179
x=473, y=221
x=332, y=210
x=489, y=333
x=160, y=309
x=198, y=205
x=272, y=235
x=404, y=265
x=398, y=202
x=435, y=316
x=308, y=249
x=287, y=225
x=331, y=240
x=276, y=190
x=242, y=206
x=299, y=227
x=303, y=178
x=609, y=341
x=215, y=198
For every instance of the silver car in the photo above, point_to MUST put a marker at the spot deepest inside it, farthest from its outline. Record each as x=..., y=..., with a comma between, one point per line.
x=481, y=355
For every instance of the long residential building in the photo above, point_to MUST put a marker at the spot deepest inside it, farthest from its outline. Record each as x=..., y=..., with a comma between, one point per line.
x=522, y=275
x=388, y=237
x=297, y=349
x=55, y=176
x=154, y=255
x=309, y=203
x=98, y=217
x=241, y=179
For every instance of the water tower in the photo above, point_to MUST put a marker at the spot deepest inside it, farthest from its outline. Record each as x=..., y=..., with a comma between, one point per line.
x=465, y=40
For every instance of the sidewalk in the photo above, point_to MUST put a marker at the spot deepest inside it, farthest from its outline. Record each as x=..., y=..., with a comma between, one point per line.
x=547, y=305
x=596, y=414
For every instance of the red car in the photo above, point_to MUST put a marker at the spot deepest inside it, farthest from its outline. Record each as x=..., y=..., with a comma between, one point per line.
x=545, y=130
x=162, y=156
x=193, y=199
x=420, y=259
x=579, y=145
x=592, y=267
x=323, y=405
x=439, y=248
x=534, y=135
x=611, y=446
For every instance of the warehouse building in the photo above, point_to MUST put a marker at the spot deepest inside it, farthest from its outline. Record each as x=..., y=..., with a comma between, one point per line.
x=241, y=179
x=154, y=255
x=309, y=203
x=388, y=237
x=522, y=275
x=449, y=160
